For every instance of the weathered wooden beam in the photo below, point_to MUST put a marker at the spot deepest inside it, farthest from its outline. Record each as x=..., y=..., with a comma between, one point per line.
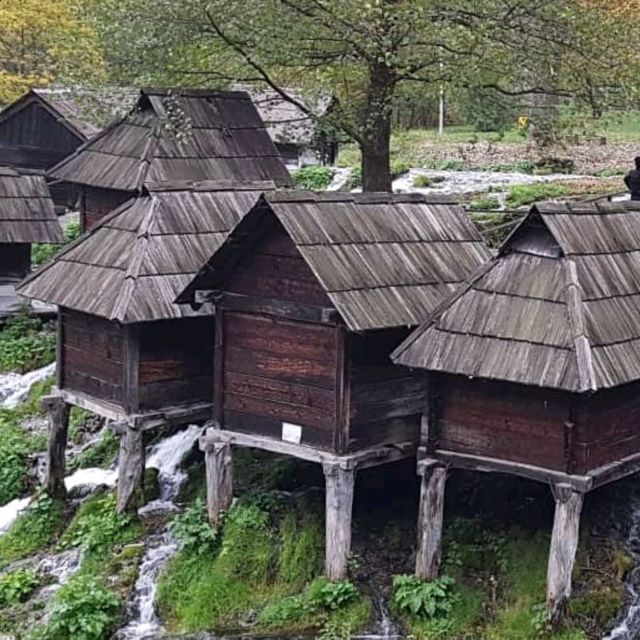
x=131, y=376
x=562, y=554
x=219, y=479
x=339, y=482
x=430, y=520
x=471, y=462
x=99, y=407
x=58, y=413
x=130, y=470
x=615, y=470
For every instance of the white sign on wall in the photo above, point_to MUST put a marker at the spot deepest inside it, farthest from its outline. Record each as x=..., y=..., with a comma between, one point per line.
x=291, y=432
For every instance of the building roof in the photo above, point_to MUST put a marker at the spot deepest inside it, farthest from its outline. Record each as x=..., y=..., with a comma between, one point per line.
x=131, y=267
x=223, y=138
x=384, y=260
x=61, y=105
x=558, y=307
x=27, y=213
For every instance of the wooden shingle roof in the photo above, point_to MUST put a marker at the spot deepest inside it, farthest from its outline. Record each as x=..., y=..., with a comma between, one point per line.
x=225, y=139
x=26, y=210
x=384, y=260
x=131, y=267
x=559, y=306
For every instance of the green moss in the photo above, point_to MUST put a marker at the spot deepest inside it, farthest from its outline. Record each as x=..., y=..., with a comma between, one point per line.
x=422, y=182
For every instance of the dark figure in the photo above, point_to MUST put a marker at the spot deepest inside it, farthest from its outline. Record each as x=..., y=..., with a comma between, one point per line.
x=632, y=180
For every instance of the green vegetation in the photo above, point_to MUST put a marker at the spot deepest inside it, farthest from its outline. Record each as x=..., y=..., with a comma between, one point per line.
x=99, y=454
x=313, y=178
x=17, y=585
x=26, y=343
x=263, y=560
x=41, y=253
x=34, y=530
x=422, y=181
x=524, y=194
x=485, y=203
x=422, y=599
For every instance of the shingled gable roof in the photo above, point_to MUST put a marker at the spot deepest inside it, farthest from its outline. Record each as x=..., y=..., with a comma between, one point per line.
x=559, y=306
x=384, y=260
x=62, y=107
x=225, y=140
x=26, y=210
x=132, y=265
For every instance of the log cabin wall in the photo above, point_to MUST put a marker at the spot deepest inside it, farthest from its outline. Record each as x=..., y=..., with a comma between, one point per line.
x=91, y=356
x=15, y=260
x=386, y=400
x=500, y=420
x=175, y=362
x=277, y=370
x=96, y=203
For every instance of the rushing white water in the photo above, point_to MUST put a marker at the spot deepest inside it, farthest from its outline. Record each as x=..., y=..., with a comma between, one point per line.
x=166, y=456
x=629, y=626
x=10, y=511
x=14, y=388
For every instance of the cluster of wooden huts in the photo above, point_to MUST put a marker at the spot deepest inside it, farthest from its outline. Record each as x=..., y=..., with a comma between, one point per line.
x=350, y=330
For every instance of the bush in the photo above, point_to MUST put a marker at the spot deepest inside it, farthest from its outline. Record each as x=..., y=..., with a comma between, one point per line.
x=331, y=596
x=399, y=168
x=98, y=527
x=193, y=531
x=14, y=449
x=355, y=179
x=422, y=181
x=422, y=599
x=16, y=586
x=84, y=609
x=485, y=203
x=313, y=178
x=26, y=344
x=41, y=253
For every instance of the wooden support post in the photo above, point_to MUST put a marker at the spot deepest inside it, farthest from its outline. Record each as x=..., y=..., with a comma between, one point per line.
x=130, y=469
x=339, y=482
x=430, y=519
x=562, y=554
x=219, y=477
x=58, y=412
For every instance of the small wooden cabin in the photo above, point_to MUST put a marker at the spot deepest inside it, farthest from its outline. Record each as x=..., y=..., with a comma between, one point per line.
x=125, y=350
x=26, y=216
x=40, y=129
x=312, y=292
x=534, y=369
x=185, y=134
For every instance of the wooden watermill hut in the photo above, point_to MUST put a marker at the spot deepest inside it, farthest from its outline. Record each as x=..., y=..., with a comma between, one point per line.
x=26, y=216
x=312, y=292
x=534, y=370
x=40, y=129
x=182, y=134
x=125, y=350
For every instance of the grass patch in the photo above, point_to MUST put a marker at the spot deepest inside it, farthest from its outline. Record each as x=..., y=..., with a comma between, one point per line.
x=521, y=195
x=313, y=178
x=34, y=530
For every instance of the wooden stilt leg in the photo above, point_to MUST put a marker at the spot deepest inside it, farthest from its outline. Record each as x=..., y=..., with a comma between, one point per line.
x=564, y=544
x=130, y=469
x=430, y=518
x=339, y=506
x=219, y=477
x=58, y=412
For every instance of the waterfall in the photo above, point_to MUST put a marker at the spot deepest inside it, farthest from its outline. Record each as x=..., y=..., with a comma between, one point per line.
x=14, y=387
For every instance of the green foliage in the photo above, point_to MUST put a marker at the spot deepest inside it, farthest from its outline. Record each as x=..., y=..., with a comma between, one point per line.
x=355, y=179
x=33, y=530
x=487, y=110
x=485, y=203
x=26, y=344
x=313, y=177
x=422, y=599
x=41, y=253
x=84, y=609
x=422, y=181
x=14, y=449
x=16, y=586
x=599, y=605
x=302, y=550
x=331, y=596
x=524, y=194
x=399, y=168
x=193, y=531
x=98, y=527
x=100, y=454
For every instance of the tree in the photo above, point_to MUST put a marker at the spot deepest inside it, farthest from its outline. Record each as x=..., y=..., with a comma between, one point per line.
x=42, y=41
x=363, y=51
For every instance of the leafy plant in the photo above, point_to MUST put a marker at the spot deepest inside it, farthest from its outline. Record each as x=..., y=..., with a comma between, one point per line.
x=25, y=343
x=423, y=599
x=332, y=595
x=422, y=181
x=399, y=168
x=100, y=454
x=313, y=177
x=14, y=448
x=355, y=179
x=84, y=609
x=193, y=531
x=485, y=203
x=41, y=253
x=16, y=586
x=524, y=194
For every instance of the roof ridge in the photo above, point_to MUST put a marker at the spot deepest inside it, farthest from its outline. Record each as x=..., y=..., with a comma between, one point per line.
x=133, y=270
x=582, y=345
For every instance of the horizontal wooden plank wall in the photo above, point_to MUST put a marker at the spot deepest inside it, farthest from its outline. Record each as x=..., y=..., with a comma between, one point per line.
x=15, y=260
x=95, y=203
x=386, y=401
x=92, y=356
x=176, y=362
x=499, y=420
x=607, y=427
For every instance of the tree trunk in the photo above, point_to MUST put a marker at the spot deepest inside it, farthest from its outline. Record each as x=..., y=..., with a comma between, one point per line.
x=58, y=412
x=376, y=127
